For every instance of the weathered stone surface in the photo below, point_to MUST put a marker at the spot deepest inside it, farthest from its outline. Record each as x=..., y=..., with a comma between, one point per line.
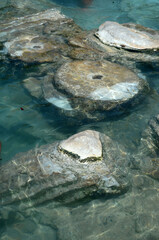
x=86, y=145
x=128, y=36
x=98, y=85
x=147, y=156
x=40, y=37
x=51, y=37
x=128, y=55
x=154, y=124
x=54, y=97
x=47, y=173
x=34, y=87
x=30, y=21
x=150, y=138
x=31, y=48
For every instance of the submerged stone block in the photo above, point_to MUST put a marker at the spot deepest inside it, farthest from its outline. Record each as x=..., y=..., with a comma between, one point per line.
x=128, y=36
x=98, y=85
x=63, y=172
x=39, y=37
x=126, y=43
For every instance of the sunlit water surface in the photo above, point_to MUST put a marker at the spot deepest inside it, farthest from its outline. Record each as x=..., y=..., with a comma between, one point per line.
x=26, y=122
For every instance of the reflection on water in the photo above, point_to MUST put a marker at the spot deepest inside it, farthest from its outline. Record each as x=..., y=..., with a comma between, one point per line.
x=133, y=215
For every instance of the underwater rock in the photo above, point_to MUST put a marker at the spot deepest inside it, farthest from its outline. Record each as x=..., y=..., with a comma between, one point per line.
x=150, y=138
x=40, y=37
x=30, y=21
x=126, y=43
x=154, y=132
x=30, y=48
x=147, y=157
x=98, y=85
x=52, y=96
x=100, y=89
x=128, y=36
x=51, y=173
x=50, y=37
x=34, y=86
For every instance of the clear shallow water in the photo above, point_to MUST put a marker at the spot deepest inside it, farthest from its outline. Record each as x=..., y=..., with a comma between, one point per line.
x=25, y=122
x=40, y=123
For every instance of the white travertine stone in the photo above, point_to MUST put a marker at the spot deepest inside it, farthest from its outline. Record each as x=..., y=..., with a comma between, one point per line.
x=86, y=145
x=115, y=34
x=119, y=91
x=60, y=102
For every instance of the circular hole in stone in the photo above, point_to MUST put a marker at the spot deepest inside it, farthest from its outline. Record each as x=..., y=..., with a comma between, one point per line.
x=37, y=47
x=97, y=77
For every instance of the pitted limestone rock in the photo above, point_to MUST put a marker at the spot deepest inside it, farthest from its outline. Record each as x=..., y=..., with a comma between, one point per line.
x=126, y=44
x=33, y=85
x=128, y=36
x=86, y=145
x=98, y=85
x=31, y=48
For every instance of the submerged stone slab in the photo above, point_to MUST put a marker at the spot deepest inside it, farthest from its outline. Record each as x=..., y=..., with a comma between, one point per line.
x=40, y=37
x=147, y=156
x=30, y=48
x=49, y=174
x=33, y=85
x=86, y=145
x=98, y=84
x=29, y=21
x=154, y=124
x=128, y=36
x=136, y=44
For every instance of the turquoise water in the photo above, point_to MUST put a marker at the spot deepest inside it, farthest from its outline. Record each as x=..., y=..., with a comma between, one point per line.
x=94, y=13
x=26, y=122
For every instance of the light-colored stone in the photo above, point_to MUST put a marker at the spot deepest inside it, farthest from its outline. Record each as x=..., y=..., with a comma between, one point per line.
x=97, y=80
x=86, y=145
x=30, y=48
x=103, y=83
x=30, y=21
x=118, y=35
